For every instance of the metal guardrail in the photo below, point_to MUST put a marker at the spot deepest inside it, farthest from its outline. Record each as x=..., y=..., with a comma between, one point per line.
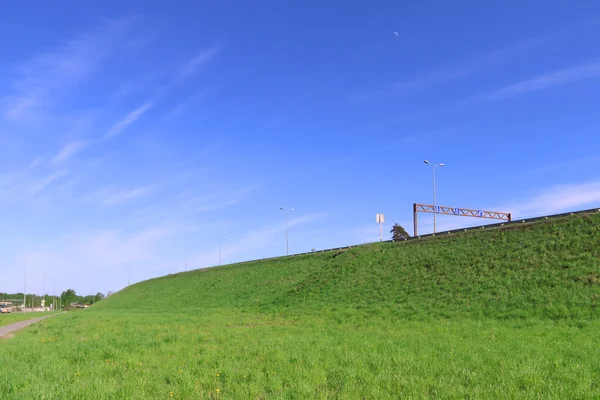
x=430, y=235
x=512, y=223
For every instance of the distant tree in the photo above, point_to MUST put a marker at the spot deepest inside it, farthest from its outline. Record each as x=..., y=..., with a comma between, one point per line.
x=99, y=296
x=69, y=296
x=399, y=233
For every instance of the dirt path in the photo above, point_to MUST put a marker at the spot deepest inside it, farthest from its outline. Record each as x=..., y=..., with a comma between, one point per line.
x=6, y=331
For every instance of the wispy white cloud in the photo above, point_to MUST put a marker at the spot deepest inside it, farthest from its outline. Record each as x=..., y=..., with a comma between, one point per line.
x=551, y=200
x=36, y=162
x=432, y=134
x=184, y=71
x=369, y=233
x=69, y=150
x=452, y=72
x=556, y=199
x=458, y=71
x=111, y=196
x=127, y=120
x=108, y=254
x=162, y=79
x=39, y=80
x=184, y=105
x=193, y=65
x=194, y=201
x=126, y=195
x=557, y=166
x=241, y=248
x=553, y=79
x=39, y=185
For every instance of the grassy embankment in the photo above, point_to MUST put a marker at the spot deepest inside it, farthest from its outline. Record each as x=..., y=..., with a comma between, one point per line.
x=495, y=314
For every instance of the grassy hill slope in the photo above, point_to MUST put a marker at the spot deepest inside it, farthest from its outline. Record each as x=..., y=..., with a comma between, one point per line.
x=548, y=269
x=492, y=314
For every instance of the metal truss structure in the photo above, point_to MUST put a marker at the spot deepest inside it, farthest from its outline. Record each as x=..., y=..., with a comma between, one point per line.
x=461, y=212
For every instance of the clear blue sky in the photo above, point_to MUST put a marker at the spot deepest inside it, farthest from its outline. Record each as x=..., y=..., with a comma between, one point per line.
x=131, y=128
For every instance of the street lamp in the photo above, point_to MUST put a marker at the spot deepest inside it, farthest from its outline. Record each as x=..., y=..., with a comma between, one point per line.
x=224, y=233
x=54, y=302
x=185, y=248
x=43, y=271
x=24, y=282
x=434, y=205
x=53, y=293
x=287, y=231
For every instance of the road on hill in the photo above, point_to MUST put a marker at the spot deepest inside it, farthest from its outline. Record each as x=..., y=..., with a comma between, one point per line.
x=5, y=331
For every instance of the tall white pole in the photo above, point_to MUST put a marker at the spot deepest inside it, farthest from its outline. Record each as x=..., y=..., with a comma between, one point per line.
x=287, y=235
x=25, y=286
x=287, y=230
x=44, y=288
x=220, y=239
x=433, y=166
x=434, y=205
x=185, y=250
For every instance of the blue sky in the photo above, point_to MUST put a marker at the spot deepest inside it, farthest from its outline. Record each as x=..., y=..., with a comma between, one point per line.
x=129, y=129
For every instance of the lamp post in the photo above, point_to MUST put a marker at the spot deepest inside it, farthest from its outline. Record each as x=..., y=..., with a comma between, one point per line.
x=43, y=271
x=216, y=233
x=24, y=282
x=433, y=166
x=287, y=231
x=53, y=294
x=185, y=249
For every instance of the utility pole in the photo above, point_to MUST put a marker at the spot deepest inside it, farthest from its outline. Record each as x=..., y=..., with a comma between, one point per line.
x=24, y=282
x=380, y=221
x=25, y=287
x=433, y=166
x=216, y=233
x=287, y=231
x=185, y=250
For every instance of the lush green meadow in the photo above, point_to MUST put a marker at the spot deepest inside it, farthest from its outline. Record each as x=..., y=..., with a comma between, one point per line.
x=488, y=314
x=226, y=355
x=7, y=319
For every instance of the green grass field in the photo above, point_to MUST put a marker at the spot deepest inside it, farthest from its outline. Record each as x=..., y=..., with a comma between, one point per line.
x=489, y=314
x=7, y=319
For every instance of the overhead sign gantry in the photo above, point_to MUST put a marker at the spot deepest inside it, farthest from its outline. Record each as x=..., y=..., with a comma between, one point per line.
x=461, y=212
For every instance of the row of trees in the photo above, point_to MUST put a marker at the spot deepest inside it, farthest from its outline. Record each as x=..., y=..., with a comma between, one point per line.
x=70, y=296
x=67, y=297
